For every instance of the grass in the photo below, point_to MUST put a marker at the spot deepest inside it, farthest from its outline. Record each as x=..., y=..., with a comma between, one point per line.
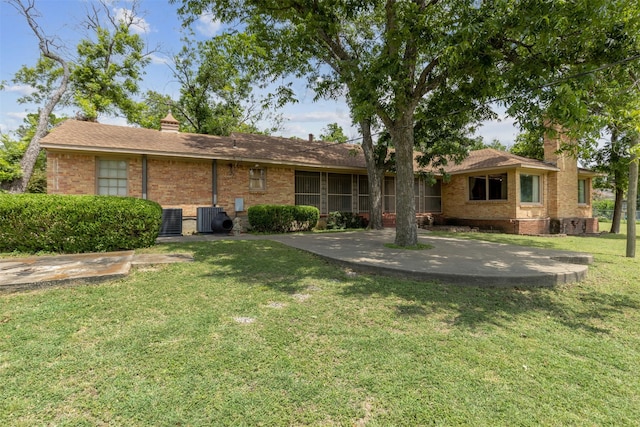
x=255, y=333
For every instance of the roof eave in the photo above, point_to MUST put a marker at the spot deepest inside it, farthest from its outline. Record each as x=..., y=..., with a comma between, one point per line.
x=506, y=167
x=76, y=148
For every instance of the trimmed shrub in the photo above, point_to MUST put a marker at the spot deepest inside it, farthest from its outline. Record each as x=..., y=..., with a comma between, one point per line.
x=76, y=224
x=282, y=218
x=345, y=220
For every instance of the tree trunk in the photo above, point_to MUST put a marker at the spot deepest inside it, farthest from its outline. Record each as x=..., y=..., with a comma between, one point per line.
x=28, y=161
x=632, y=199
x=618, y=180
x=402, y=138
x=617, y=210
x=375, y=172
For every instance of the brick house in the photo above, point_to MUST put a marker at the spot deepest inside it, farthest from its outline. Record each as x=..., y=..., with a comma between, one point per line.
x=490, y=189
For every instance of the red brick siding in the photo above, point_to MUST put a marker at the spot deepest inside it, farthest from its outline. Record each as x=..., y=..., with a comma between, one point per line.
x=77, y=173
x=70, y=173
x=134, y=174
x=456, y=203
x=179, y=182
x=233, y=182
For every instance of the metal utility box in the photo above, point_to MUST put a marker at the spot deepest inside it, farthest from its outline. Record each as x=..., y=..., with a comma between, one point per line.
x=204, y=218
x=171, y=223
x=239, y=205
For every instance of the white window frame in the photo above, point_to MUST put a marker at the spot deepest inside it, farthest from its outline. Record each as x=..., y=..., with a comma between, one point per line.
x=584, y=191
x=112, y=177
x=257, y=179
x=423, y=194
x=536, y=195
x=487, y=184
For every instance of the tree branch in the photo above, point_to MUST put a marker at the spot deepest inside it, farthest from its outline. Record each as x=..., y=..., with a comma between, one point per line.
x=29, y=159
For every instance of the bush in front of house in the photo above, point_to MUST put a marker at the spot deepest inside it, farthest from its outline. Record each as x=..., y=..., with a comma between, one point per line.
x=282, y=218
x=76, y=224
x=345, y=220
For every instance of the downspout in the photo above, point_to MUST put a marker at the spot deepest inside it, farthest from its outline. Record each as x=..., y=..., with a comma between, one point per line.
x=214, y=182
x=144, y=176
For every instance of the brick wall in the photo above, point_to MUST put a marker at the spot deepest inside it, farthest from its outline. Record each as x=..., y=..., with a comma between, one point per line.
x=563, y=185
x=134, y=173
x=233, y=182
x=176, y=182
x=456, y=203
x=532, y=226
x=574, y=226
x=70, y=173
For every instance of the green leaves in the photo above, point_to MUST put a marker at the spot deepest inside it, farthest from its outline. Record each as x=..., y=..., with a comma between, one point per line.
x=217, y=78
x=43, y=78
x=333, y=133
x=108, y=71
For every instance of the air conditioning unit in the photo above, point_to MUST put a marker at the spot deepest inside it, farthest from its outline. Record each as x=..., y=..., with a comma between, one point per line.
x=171, y=223
x=204, y=218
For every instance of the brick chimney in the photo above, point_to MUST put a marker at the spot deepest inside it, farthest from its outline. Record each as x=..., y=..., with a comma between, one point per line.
x=310, y=137
x=169, y=124
x=563, y=185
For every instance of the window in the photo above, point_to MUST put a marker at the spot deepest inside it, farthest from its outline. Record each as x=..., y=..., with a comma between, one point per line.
x=339, y=192
x=488, y=187
x=477, y=188
x=529, y=188
x=112, y=177
x=389, y=194
x=582, y=191
x=433, y=197
x=257, y=181
x=307, y=188
x=427, y=197
x=363, y=193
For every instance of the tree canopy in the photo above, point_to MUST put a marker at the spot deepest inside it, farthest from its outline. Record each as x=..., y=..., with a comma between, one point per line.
x=217, y=88
x=333, y=133
x=390, y=57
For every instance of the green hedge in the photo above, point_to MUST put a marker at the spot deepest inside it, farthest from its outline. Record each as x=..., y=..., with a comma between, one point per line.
x=345, y=220
x=282, y=218
x=76, y=224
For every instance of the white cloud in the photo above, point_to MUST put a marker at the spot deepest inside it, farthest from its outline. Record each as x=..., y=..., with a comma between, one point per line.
x=116, y=121
x=20, y=89
x=21, y=115
x=207, y=25
x=160, y=60
x=12, y=120
x=504, y=131
x=139, y=25
x=319, y=116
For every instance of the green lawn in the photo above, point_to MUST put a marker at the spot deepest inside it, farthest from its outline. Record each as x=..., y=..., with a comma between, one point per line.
x=255, y=333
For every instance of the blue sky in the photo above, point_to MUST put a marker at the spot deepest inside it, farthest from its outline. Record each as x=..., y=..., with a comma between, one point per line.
x=160, y=26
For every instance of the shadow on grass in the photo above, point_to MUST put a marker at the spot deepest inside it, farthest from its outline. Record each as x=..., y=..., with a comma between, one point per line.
x=290, y=271
x=475, y=307
x=260, y=263
x=500, y=238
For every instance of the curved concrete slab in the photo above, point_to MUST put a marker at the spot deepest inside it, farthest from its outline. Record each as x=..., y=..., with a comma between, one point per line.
x=451, y=260
x=40, y=271
x=19, y=274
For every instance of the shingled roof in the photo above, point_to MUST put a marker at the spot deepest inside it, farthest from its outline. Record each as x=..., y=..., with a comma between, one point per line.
x=489, y=158
x=85, y=136
x=95, y=137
